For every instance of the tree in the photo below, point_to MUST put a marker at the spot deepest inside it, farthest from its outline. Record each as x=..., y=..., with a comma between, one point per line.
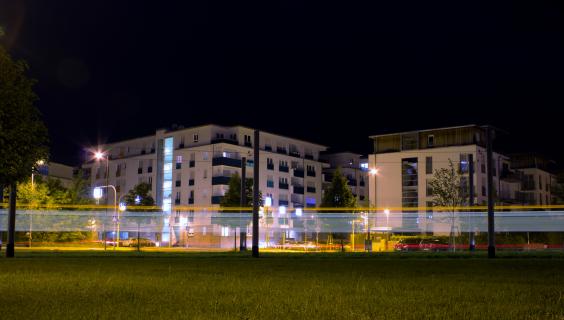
x=448, y=192
x=338, y=195
x=142, y=193
x=232, y=197
x=23, y=136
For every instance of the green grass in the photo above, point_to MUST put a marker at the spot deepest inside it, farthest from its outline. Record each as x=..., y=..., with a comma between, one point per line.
x=101, y=285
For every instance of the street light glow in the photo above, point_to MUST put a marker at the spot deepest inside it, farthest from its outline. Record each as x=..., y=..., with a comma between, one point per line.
x=387, y=212
x=373, y=171
x=98, y=155
x=299, y=212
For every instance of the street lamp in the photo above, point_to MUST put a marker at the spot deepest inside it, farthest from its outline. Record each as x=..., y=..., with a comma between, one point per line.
x=97, y=195
x=368, y=243
x=387, y=213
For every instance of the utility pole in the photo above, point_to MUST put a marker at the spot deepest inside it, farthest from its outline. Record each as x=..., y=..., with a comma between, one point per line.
x=256, y=199
x=491, y=226
x=243, y=203
x=471, y=241
x=11, y=222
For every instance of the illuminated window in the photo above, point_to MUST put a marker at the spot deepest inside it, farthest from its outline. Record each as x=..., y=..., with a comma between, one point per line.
x=225, y=231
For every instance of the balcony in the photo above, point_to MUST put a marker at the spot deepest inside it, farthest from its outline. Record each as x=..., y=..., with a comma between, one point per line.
x=191, y=182
x=283, y=168
x=139, y=170
x=270, y=166
x=311, y=174
x=216, y=199
x=176, y=201
x=282, y=202
x=299, y=173
x=220, y=180
x=281, y=150
x=294, y=154
x=223, y=140
x=224, y=161
x=267, y=148
x=149, y=169
x=308, y=156
x=283, y=185
x=298, y=189
x=192, y=163
x=181, y=145
x=311, y=189
x=248, y=144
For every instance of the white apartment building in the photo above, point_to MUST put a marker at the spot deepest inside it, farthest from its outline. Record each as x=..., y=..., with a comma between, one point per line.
x=192, y=166
x=405, y=163
x=353, y=166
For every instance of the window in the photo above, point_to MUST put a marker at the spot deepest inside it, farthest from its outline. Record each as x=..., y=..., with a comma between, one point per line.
x=196, y=137
x=429, y=165
x=206, y=155
x=247, y=140
x=225, y=231
x=429, y=189
x=270, y=182
x=464, y=163
x=430, y=140
x=540, y=182
x=205, y=174
x=178, y=162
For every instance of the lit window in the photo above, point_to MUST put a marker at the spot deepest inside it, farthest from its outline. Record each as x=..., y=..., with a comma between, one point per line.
x=225, y=231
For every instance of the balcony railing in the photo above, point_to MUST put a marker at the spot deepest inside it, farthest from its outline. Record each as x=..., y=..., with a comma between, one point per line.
x=282, y=202
x=294, y=154
x=298, y=189
x=281, y=150
x=192, y=163
x=248, y=144
x=311, y=189
x=191, y=182
x=299, y=173
x=139, y=170
x=270, y=166
x=216, y=199
x=221, y=180
x=267, y=148
x=282, y=185
x=223, y=140
x=308, y=156
x=190, y=200
x=283, y=168
x=224, y=161
x=178, y=183
x=311, y=173
x=149, y=169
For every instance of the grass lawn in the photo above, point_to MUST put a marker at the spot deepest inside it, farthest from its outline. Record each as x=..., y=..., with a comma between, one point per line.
x=99, y=285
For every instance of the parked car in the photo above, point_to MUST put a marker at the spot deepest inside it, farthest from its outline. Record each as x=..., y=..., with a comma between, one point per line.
x=434, y=244
x=143, y=242
x=408, y=244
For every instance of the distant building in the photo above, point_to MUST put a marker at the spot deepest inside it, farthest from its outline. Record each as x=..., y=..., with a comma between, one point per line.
x=58, y=171
x=536, y=178
x=354, y=167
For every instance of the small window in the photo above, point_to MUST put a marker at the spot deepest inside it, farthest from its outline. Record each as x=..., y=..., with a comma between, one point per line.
x=430, y=140
x=196, y=137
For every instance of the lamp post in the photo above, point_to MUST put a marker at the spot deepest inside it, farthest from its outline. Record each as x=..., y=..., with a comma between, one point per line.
x=98, y=195
x=373, y=173
x=387, y=213
x=38, y=164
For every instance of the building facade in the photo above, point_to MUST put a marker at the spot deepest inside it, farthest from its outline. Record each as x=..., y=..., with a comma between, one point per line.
x=192, y=166
x=405, y=163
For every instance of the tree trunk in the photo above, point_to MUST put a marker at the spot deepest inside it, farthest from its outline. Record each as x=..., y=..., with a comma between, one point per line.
x=11, y=223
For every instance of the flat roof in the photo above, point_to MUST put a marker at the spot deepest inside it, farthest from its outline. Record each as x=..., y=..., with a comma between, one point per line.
x=424, y=130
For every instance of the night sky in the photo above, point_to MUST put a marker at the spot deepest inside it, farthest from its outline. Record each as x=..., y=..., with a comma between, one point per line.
x=332, y=73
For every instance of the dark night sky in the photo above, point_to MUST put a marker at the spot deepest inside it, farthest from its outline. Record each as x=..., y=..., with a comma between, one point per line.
x=332, y=73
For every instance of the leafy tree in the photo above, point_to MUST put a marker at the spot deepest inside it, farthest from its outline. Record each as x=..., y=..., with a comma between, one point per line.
x=78, y=190
x=448, y=192
x=338, y=194
x=143, y=191
x=34, y=195
x=23, y=136
x=232, y=197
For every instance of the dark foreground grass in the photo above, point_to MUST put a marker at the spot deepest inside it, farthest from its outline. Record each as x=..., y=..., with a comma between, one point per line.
x=279, y=286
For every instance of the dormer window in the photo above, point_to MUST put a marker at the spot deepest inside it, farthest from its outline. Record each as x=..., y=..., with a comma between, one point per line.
x=430, y=140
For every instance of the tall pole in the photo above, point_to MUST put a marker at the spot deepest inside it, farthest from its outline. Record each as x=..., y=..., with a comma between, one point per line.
x=11, y=222
x=243, y=203
x=256, y=199
x=491, y=227
x=107, y=199
x=471, y=241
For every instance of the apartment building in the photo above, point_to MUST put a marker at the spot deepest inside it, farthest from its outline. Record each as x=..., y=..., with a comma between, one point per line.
x=536, y=178
x=405, y=163
x=354, y=167
x=192, y=166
